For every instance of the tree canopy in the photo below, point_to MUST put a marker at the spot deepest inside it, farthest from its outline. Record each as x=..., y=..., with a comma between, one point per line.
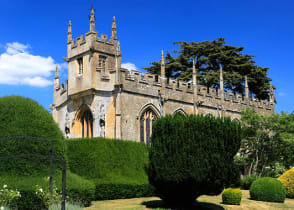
x=209, y=57
x=268, y=141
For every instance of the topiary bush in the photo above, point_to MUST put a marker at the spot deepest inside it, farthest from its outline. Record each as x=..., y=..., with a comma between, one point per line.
x=232, y=196
x=21, y=116
x=116, y=167
x=247, y=181
x=268, y=189
x=287, y=180
x=191, y=156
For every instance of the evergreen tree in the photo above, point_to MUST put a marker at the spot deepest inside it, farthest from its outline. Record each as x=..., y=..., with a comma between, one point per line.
x=209, y=57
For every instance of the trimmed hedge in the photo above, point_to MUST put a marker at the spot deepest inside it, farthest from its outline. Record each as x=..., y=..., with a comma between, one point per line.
x=117, y=167
x=287, y=180
x=121, y=191
x=247, y=181
x=232, y=196
x=77, y=190
x=21, y=116
x=193, y=155
x=268, y=189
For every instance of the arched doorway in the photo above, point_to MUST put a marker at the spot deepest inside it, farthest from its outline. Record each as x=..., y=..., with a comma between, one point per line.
x=147, y=119
x=84, y=123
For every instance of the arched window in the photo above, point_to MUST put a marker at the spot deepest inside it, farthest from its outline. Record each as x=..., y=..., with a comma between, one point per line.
x=180, y=112
x=87, y=124
x=146, y=122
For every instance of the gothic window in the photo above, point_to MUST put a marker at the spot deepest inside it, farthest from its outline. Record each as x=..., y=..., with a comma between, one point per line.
x=180, y=112
x=80, y=62
x=87, y=124
x=146, y=122
x=102, y=63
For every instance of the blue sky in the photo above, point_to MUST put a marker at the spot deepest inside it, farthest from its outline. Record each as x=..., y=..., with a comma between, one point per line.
x=35, y=32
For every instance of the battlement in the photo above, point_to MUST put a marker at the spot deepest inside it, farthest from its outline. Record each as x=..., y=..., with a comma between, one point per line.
x=150, y=84
x=80, y=40
x=61, y=93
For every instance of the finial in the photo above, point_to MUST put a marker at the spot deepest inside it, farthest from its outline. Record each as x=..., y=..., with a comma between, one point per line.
x=56, y=72
x=162, y=57
x=246, y=88
x=69, y=33
x=69, y=27
x=194, y=70
x=113, y=22
x=162, y=68
x=114, y=32
x=92, y=19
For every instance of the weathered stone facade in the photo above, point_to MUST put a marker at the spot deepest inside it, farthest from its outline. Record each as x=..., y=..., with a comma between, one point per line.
x=102, y=99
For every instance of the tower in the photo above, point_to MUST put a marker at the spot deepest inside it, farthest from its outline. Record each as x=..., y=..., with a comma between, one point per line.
x=92, y=60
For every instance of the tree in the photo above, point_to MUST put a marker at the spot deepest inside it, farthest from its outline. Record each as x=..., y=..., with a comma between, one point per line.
x=209, y=57
x=268, y=141
x=191, y=156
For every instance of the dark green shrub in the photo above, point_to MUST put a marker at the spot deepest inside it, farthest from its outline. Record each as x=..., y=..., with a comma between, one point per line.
x=268, y=189
x=191, y=156
x=247, y=181
x=232, y=196
x=109, y=191
x=24, y=117
x=116, y=167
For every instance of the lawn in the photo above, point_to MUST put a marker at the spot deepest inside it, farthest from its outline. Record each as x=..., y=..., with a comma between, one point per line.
x=205, y=202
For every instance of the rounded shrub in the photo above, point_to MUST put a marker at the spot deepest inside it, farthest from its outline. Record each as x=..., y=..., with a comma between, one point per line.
x=191, y=156
x=21, y=116
x=247, y=181
x=232, y=196
x=268, y=189
x=287, y=180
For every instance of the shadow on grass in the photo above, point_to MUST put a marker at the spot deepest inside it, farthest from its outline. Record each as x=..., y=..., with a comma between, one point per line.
x=159, y=204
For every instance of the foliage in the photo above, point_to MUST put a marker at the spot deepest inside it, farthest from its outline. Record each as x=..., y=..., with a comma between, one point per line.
x=109, y=191
x=8, y=195
x=209, y=57
x=247, y=181
x=21, y=116
x=283, y=126
x=192, y=155
x=268, y=143
x=232, y=196
x=287, y=180
x=260, y=146
x=268, y=189
x=116, y=167
x=34, y=191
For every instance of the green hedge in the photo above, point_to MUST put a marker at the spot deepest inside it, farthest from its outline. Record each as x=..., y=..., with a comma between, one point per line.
x=192, y=156
x=78, y=189
x=21, y=116
x=232, y=196
x=268, y=189
x=117, y=167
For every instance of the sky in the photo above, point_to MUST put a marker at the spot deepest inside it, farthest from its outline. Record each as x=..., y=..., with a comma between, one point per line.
x=33, y=37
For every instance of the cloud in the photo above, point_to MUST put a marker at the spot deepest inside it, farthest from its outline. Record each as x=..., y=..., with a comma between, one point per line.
x=129, y=66
x=19, y=67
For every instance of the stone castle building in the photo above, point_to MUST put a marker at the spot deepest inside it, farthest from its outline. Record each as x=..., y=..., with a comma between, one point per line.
x=102, y=99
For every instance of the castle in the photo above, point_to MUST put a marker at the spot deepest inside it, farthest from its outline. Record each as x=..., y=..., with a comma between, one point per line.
x=102, y=99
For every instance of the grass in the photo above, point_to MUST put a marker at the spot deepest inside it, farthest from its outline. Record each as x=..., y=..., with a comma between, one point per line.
x=204, y=202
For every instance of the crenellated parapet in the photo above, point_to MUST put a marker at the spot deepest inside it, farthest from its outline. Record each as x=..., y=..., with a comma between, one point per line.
x=176, y=90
